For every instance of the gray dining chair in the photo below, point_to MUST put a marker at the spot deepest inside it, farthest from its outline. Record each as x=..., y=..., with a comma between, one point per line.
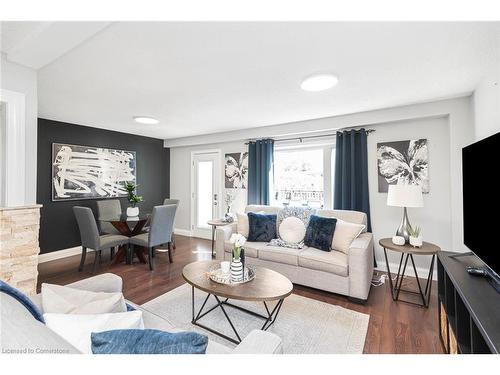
x=107, y=208
x=176, y=202
x=90, y=237
x=167, y=201
x=160, y=232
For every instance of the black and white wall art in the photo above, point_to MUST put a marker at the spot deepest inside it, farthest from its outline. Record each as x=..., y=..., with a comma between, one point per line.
x=86, y=172
x=236, y=170
x=403, y=161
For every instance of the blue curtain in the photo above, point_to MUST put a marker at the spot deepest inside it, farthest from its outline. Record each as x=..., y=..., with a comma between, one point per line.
x=351, y=172
x=260, y=170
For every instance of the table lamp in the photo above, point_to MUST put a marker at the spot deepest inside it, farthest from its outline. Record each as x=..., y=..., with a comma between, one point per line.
x=404, y=195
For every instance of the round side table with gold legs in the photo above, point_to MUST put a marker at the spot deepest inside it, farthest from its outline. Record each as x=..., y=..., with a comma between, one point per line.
x=407, y=252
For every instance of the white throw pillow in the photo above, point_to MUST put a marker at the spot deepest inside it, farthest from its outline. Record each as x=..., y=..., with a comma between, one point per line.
x=65, y=300
x=76, y=328
x=344, y=234
x=292, y=230
x=242, y=225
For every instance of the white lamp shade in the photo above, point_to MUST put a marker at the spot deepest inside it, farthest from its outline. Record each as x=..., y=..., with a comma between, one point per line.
x=403, y=195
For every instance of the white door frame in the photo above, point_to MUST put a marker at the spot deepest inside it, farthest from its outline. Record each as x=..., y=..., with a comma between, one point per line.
x=15, y=141
x=217, y=169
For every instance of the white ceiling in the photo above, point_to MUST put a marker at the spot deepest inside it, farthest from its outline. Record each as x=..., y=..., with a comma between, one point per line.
x=14, y=33
x=200, y=78
x=35, y=44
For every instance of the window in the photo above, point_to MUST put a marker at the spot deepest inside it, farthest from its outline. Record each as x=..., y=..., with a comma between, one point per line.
x=298, y=177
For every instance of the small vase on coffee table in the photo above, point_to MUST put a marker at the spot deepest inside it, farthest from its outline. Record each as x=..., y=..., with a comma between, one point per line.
x=236, y=270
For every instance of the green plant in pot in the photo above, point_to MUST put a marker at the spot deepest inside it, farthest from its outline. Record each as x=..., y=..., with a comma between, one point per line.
x=415, y=236
x=133, y=198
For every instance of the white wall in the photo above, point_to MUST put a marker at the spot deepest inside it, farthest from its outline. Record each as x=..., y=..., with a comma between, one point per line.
x=180, y=174
x=435, y=217
x=487, y=105
x=449, y=126
x=486, y=98
x=23, y=80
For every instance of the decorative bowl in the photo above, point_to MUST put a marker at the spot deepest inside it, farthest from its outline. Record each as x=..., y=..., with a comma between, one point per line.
x=398, y=240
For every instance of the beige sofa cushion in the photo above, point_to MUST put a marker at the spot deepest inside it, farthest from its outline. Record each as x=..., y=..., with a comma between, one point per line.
x=280, y=254
x=327, y=261
x=251, y=248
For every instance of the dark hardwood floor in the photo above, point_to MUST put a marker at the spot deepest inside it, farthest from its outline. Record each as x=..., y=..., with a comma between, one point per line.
x=395, y=327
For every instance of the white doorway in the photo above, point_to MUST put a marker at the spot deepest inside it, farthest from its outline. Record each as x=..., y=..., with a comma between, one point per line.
x=205, y=190
x=3, y=152
x=12, y=143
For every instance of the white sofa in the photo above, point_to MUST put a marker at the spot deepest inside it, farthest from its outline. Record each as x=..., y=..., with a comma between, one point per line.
x=20, y=332
x=348, y=274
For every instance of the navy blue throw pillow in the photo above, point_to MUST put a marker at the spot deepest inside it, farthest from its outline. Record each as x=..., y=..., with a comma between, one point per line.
x=262, y=228
x=147, y=341
x=130, y=307
x=319, y=233
x=23, y=299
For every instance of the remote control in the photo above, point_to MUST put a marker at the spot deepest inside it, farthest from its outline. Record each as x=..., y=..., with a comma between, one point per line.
x=477, y=271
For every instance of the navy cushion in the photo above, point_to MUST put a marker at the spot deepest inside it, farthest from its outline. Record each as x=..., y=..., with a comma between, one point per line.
x=147, y=341
x=319, y=233
x=262, y=227
x=23, y=299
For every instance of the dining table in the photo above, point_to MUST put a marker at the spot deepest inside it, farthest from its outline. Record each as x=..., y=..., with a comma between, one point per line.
x=128, y=226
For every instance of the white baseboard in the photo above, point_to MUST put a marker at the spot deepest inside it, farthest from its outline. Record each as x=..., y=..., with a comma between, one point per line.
x=42, y=258
x=422, y=272
x=203, y=236
x=183, y=232
x=188, y=233
x=77, y=250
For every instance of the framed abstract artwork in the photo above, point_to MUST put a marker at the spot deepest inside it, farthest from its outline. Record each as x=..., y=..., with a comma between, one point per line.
x=403, y=161
x=236, y=170
x=88, y=172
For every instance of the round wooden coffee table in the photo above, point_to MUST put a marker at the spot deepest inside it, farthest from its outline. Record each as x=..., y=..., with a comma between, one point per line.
x=267, y=286
x=407, y=250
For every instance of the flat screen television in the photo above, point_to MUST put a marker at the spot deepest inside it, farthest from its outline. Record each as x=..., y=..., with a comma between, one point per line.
x=481, y=197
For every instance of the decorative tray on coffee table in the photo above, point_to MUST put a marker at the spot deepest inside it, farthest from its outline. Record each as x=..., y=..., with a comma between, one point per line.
x=215, y=274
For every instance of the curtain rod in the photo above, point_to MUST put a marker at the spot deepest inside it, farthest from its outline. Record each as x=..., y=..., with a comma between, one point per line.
x=307, y=137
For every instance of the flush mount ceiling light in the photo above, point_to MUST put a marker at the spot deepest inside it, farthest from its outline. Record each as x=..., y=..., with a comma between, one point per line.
x=146, y=120
x=319, y=82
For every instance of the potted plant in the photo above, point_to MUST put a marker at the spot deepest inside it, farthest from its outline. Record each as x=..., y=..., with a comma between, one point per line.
x=237, y=271
x=133, y=198
x=415, y=236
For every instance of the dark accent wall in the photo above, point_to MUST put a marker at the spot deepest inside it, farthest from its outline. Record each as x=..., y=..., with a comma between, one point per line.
x=58, y=228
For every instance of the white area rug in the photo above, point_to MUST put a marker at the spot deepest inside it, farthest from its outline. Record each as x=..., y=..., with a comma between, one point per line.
x=306, y=326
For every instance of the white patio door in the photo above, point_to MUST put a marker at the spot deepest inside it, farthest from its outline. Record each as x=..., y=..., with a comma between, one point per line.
x=205, y=191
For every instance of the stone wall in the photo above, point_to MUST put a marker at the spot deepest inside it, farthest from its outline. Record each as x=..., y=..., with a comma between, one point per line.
x=19, y=228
